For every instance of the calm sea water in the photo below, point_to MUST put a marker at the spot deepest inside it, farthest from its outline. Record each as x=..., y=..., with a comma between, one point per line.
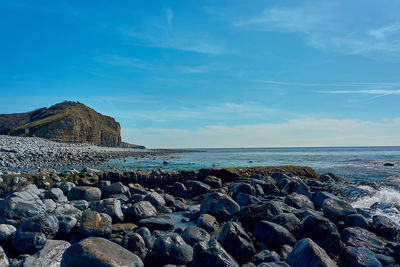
x=353, y=163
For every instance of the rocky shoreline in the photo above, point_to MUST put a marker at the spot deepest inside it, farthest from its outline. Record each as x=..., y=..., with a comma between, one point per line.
x=27, y=154
x=265, y=216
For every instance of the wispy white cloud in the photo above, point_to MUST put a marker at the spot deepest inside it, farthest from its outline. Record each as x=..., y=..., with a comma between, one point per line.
x=369, y=92
x=202, y=68
x=291, y=133
x=326, y=27
x=117, y=60
x=169, y=14
x=287, y=83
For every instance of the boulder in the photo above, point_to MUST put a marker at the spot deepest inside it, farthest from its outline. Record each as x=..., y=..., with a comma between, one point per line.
x=360, y=257
x=287, y=220
x=273, y=235
x=322, y=231
x=212, y=254
x=140, y=210
x=356, y=220
x=162, y=223
x=6, y=233
x=135, y=243
x=115, y=188
x=213, y=181
x=147, y=237
x=307, y=253
x=110, y=206
x=87, y=193
x=170, y=249
x=237, y=242
x=155, y=199
x=64, y=186
x=336, y=209
x=299, y=201
x=56, y=194
x=50, y=255
x=319, y=197
x=208, y=222
x=96, y=251
x=4, y=262
x=67, y=210
x=252, y=214
x=297, y=186
x=219, y=205
x=94, y=224
x=19, y=207
x=194, y=234
x=197, y=188
x=66, y=227
x=237, y=188
x=265, y=256
x=359, y=237
x=386, y=228
x=179, y=190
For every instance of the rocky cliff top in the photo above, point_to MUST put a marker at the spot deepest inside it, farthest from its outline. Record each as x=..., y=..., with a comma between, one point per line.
x=67, y=122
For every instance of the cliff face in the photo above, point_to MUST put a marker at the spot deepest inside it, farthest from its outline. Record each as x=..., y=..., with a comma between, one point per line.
x=66, y=122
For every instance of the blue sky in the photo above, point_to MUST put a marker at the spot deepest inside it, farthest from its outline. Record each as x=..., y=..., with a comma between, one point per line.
x=211, y=73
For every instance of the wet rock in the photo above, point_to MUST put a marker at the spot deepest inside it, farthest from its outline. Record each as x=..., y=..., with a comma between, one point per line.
x=236, y=241
x=360, y=257
x=219, y=205
x=162, y=223
x=213, y=181
x=356, y=220
x=95, y=251
x=147, y=237
x=6, y=233
x=137, y=189
x=169, y=200
x=385, y=260
x=273, y=235
x=197, y=188
x=194, y=234
x=297, y=186
x=359, y=237
x=179, y=190
x=299, y=201
x=307, y=253
x=265, y=256
x=287, y=220
x=171, y=249
x=212, y=254
x=80, y=204
x=208, y=223
x=87, y=193
x=252, y=214
x=322, y=231
x=115, y=188
x=50, y=255
x=140, y=210
x=123, y=228
x=384, y=227
x=67, y=210
x=94, y=224
x=18, y=207
x=245, y=188
x=110, y=206
x=336, y=209
x=135, y=243
x=66, y=226
x=56, y=194
x=155, y=199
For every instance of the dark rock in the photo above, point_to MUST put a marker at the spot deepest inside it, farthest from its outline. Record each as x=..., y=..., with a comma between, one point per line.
x=265, y=256
x=4, y=262
x=179, y=190
x=171, y=249
x=219, y=205
x=110, y=206
x=66, y=226
x=18, y=207
x=96, y=251
x=297, y=186
x=384, y=227
x=194, y=234
x=147, y=237
x=213, y=181
x=388, y=164
x=326, y=178
x=236, y=241
x=208, y=223
x=6, y=233
x=356, y=220
x=237, y=188
x=322, y=231
x=137, y=189
x=285, y=251
x=359, y=237
x=212, y=254
x=360, y=257
x=50, y=255
x=64, y=186
x=385, y=260
x=56, y=194
x=273, y=235
x=80, y=204
x=273, y=264
x=87, y=193
x=169, y=200
x=299, y=201
x=252, y=214
x=135, y=243
x=94, y=224
x=197, y=188
x=140, y=210
x=67, y=210
x=123, y=228
x=115, y=188
x=287, y=220
x=155, y=199
x=28, y=242
x=163, y=223
x=307, y=253
x=336, y=209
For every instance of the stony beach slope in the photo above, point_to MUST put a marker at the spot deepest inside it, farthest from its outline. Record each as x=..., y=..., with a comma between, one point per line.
x=265, y=216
